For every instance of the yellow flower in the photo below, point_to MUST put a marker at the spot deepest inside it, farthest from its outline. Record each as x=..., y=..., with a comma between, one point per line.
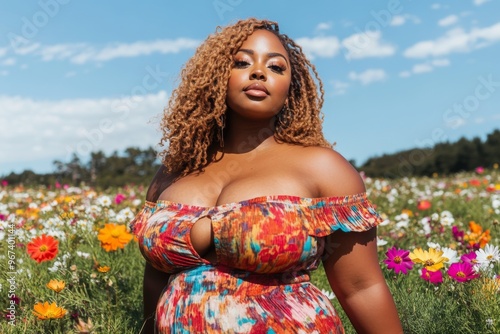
x=103, y=269
x=432, y=259
x=113, y=236
x=56, y=285
x=48, y=311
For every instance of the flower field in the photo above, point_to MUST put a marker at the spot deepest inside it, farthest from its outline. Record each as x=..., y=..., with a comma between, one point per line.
x=70, y=265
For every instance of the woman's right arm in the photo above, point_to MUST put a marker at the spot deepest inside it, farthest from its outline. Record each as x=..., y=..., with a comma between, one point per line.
x=154, y=283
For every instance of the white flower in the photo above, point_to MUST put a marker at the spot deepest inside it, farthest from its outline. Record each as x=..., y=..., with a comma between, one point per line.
x=83, y=254
x=381, y=242
x=104, y=201
x=488, y=254
x=328, y=294
x=450, y=255
x=434, y=245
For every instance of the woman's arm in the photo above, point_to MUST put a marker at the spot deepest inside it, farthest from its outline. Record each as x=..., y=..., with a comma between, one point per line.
x=355, y=276
x=154, y=283
x=353, y=268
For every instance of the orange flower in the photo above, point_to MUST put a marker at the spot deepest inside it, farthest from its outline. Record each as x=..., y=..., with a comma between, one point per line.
x=48, y=311
x=477, y=235
x=103, y=269
x=114, y=236
x=43, y=248
x=56, y=285
x=424, y=205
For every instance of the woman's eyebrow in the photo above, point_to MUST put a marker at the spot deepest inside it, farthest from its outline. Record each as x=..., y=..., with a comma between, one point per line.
x=269, y=55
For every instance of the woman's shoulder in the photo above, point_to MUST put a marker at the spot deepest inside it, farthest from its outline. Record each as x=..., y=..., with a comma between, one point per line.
x=331, y=173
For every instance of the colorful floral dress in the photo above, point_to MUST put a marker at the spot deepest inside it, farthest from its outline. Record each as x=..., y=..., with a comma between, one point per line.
x=265, y=249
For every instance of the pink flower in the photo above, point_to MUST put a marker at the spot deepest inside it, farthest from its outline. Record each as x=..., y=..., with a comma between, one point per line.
x=480, y=170
x=469, y=258
x=58, y=185
x=119, y=198
x=458, y=235
x=434, y=277
x=398, y=260
x=462, y=272
x=5, y=183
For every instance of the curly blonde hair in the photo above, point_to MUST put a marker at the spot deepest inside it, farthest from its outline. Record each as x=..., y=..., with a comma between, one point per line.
x=194, y=116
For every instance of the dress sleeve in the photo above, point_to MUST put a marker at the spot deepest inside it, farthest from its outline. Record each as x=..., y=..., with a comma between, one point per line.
x=353, y=213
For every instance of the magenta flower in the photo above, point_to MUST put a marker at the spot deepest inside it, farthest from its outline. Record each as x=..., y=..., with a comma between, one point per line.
x=480, y=170
x=398, y=260
x=434, y=277
x=457, y=234
x=462, y=272
x=119, y=198
x=469, y=258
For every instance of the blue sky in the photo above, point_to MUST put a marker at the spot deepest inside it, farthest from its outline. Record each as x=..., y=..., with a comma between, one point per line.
x=82, y=76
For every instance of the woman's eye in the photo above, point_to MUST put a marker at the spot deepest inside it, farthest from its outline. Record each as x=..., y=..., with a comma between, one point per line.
x=240, y=63
x=277, y=68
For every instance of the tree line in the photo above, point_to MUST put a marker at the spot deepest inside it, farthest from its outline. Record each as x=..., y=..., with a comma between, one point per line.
x=137, y=166
x=444, y=158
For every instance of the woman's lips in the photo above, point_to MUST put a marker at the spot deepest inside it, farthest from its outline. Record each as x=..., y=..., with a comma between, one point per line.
x=256, y=90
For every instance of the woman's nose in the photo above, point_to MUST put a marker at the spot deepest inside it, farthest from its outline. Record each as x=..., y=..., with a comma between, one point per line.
x=258, y=74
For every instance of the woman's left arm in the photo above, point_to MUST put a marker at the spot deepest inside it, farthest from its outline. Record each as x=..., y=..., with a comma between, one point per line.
x=352, y=266
x=355, y=276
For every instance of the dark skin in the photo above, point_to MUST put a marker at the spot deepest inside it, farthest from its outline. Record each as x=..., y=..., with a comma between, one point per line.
x=253, y=164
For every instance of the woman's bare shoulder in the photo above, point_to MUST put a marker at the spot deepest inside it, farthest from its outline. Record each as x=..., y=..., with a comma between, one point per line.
x=330, y=171
x=160, y=182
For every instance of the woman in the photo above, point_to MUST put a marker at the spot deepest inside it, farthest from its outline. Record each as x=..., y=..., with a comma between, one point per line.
x=251, y=197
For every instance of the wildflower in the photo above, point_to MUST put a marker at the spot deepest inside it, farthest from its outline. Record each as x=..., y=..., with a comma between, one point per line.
x=450, y=255
x=103, y=269
x=458, y=235
x=328, y=294
x=469, y=258
x=479, y=169
x=381, y=242
x=398, y=260
x=84, y=327
x=114, y=236
x=477, y=238
x=56, y=285
x=462, y=272
x=432, y=259
x=424, y=205
x=119, y=198
x=434, y=277
x=487, y=256
x=43, y=248
x=104, y=201
x=48, y=311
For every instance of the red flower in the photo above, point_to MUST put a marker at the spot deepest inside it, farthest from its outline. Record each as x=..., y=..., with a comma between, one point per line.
x=43, y=248
x=424, y=205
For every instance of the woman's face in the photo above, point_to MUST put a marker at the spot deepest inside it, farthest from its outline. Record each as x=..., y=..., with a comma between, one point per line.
x=260, y=77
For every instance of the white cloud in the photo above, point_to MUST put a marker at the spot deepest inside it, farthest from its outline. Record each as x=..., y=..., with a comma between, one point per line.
x=340, y=87
x=324, y=26
x=436, y=6
x=448, y=20
x=455, y=40
x=77, y=125
x=422, y=68
x=8, y=62
x=367, y=44
x=426, y=67
x=4, y=73
x=321, y=46
x=368, y=76
x=3, y=52
x=479, y=2
x=398, y=20
x=404, y=74
x=80, y=53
